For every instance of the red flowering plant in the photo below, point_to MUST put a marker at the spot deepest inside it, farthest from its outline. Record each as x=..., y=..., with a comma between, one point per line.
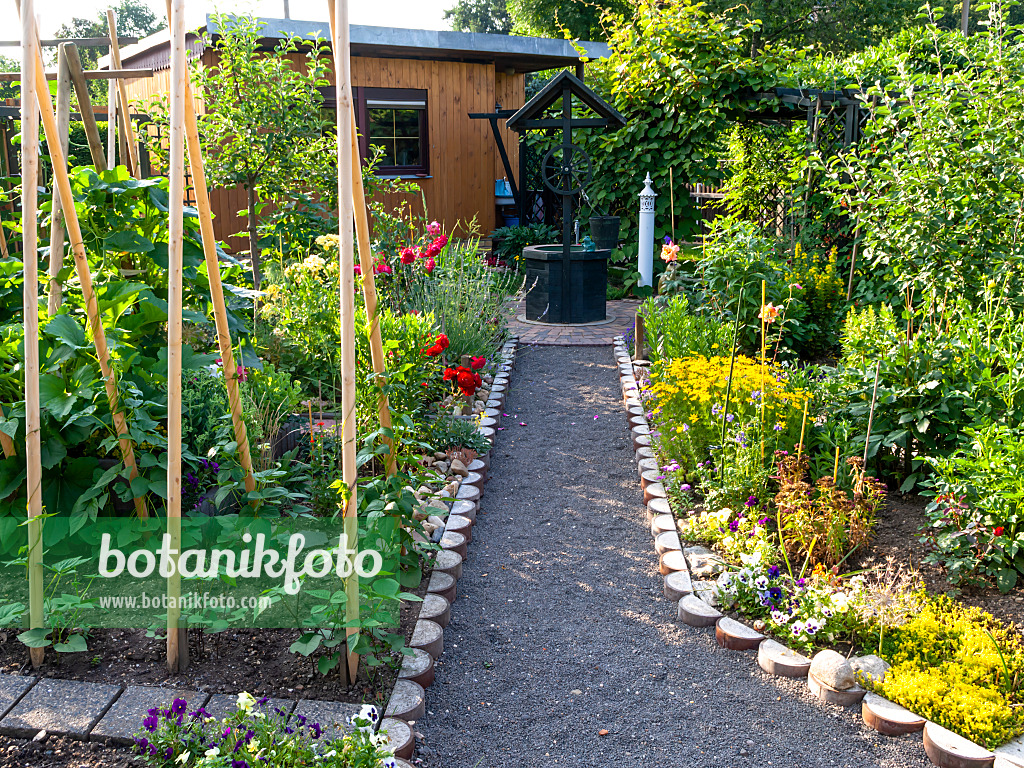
x=466, y=379
x=412, y=264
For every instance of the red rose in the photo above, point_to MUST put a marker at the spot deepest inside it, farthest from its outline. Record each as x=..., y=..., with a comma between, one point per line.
x=434, y=351
x=429, y=265
x=999, y=530
x=408, y=255
x=449, y=374
x=477, y=363
x=477, y=380
x=442, y=340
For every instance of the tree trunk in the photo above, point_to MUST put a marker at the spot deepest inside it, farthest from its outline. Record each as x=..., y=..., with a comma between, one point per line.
x=254, y=239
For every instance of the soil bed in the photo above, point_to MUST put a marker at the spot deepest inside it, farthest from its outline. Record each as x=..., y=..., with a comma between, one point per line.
x=257, y=661
x=897, y=535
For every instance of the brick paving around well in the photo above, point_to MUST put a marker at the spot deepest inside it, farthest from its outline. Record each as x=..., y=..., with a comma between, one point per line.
x=622, y=312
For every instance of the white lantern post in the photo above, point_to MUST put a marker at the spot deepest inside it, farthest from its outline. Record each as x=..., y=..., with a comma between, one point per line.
x=645, y=256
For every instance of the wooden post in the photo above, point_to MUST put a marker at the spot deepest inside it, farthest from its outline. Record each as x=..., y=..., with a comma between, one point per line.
x=122, y=95
x=965, y=17
x=177, y=645
x=220, y=312
x=366, y=260
x=639, y=338
x=30, y=309
x=111, y=124
x=62, y=182
x=343, y=86
x=56, y=264
x=92, y=130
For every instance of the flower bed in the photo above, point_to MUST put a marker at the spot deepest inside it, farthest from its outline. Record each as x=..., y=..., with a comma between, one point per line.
x=953, y=665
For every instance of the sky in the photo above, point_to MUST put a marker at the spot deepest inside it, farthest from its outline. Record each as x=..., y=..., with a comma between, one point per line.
x=409, y=14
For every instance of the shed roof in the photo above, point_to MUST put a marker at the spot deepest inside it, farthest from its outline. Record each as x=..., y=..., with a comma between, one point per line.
x=523, y=54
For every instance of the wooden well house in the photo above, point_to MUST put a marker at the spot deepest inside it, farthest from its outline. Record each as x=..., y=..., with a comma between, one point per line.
x=415, y=92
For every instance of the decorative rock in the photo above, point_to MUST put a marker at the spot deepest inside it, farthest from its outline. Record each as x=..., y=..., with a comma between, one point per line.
x=948, y=750
x=442, y=584
x=448, y=562
x=672, y=560
x=833, y=670
x=456, y=542
x=651, y=477
x=121, y=721
x=399, y=736
x=408, y=701
x=59, y=706
x=678, y=585
x=654, y=491
x=869, y=668
x=706, y=591
x=889, y=718
x=458, y=468
x=463, y=508
x=436, y=609
x=847, y=697
x=663, y=523
x=468, y=493
x=666, y=542
x=776, y=659
x=332, y=715
x=436, y=521
x=418, y=667
x=735, y=636
x=704, y=564
x=696, y=613
x=459, y=524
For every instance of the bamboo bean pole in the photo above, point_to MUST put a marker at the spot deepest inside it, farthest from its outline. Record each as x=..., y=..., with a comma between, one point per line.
x=30, y=309
x=111, y=124
x=122, y=97
x=177, y=647
x=343, y=87
x=672, y=202
x=3, y=243
x=55, y=295
x=871, y=414
x=220, y=312
x=92, y=129
x=63, y=183
x=366, y=262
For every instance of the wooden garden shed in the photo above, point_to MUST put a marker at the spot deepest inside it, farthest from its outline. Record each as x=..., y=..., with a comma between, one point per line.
x=414, y=92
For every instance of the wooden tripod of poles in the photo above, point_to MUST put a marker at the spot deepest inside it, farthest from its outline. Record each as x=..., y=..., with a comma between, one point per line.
x=63, y=183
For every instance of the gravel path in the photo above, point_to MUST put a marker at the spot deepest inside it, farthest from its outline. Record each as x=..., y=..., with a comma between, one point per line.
x=561, y=631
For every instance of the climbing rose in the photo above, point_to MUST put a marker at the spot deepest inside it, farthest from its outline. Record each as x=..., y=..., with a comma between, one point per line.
x=477, y=363
x=433, y=228
x=429, y=265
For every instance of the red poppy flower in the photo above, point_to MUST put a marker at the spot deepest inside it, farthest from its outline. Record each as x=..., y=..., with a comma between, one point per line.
x=999, y=530
x=477, y=363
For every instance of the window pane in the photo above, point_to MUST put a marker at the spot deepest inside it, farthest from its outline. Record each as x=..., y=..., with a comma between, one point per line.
x=382, y=123
x=407, y=151
x=388, y=145
x=407, y=122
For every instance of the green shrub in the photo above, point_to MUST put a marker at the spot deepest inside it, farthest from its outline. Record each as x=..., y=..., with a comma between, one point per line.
x=448, y=432
x=673, y=331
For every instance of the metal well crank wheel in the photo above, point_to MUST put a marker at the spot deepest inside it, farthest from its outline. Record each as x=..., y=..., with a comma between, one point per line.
x=566, y=172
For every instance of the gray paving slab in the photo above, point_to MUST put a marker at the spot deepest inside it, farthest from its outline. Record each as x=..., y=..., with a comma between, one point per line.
x=331, y=715
x=11, y=689
x=124, y=718
x=59, y=706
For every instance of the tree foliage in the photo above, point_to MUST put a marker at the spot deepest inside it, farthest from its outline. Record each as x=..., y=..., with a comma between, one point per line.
x=577, y=19
x=134, y=19
x=490, y=16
